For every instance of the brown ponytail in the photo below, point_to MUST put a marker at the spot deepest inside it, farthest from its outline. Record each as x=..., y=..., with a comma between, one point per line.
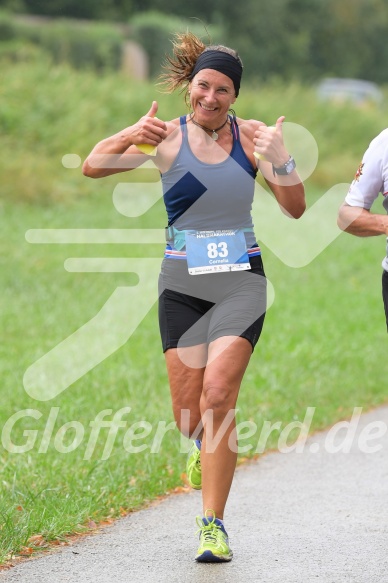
x=178, y=68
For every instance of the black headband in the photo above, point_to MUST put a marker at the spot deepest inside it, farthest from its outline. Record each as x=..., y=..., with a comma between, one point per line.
x=222, y=62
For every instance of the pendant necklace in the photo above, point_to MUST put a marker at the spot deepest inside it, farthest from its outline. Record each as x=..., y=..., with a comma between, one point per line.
x=214, y=135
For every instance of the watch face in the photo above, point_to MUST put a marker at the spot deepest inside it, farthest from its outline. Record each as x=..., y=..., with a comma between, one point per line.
x=287, y=168
x=290, y=165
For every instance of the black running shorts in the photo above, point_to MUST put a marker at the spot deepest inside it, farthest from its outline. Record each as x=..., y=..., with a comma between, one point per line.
x=197, y=309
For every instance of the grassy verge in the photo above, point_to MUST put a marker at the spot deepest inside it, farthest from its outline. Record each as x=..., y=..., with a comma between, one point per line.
x=69, y=111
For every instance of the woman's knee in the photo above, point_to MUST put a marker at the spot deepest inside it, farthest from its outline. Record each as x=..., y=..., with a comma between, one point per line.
x=218, y=398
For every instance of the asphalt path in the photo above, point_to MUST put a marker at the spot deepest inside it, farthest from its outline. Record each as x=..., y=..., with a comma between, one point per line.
x=317, y=515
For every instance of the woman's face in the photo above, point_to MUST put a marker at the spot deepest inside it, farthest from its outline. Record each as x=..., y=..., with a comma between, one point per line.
x=211, y=95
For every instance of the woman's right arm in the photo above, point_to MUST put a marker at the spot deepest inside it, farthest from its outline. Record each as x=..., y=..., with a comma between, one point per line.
x=119, y=153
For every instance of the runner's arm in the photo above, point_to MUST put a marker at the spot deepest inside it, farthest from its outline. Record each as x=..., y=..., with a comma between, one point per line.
x=119, y=153
x=361, y=222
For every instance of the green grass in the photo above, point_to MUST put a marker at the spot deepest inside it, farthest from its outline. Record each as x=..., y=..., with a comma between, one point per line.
x=323, y=343
x=322, y=346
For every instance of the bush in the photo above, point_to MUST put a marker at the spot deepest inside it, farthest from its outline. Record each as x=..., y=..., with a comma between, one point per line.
x=7, y=27
x=98, y=46
x=18, y=51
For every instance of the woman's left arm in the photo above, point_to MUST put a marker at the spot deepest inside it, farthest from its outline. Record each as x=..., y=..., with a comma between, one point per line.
x=288, y=191
x=271, y=154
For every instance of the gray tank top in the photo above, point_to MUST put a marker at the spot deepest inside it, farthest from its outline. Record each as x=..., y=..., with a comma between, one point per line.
x=205, y=196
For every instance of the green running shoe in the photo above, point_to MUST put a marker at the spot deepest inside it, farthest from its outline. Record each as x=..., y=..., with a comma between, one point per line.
x=213, y=540
x=193, y=466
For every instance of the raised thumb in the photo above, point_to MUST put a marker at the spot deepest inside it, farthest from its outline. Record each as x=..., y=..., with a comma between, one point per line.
x=153, y=110
x=279, y=122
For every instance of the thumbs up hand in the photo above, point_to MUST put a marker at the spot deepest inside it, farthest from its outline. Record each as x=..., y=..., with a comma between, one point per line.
x=269, y=145
x=149, y=131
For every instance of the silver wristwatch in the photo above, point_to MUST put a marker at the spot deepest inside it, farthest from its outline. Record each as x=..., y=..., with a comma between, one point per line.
x=286, y=169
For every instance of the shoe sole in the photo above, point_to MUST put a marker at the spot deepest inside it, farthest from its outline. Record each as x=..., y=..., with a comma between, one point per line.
x=208, y=557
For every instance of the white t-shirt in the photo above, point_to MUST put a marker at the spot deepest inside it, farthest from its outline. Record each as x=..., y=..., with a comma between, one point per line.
x=371, y=178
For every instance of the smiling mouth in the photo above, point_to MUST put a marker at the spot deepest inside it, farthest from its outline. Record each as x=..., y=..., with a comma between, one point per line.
x=207, y=108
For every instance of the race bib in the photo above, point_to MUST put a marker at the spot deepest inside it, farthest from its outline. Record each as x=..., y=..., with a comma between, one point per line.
x=216, y=251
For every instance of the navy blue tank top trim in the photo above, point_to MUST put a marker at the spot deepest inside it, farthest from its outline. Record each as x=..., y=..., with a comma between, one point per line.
x=237, y=152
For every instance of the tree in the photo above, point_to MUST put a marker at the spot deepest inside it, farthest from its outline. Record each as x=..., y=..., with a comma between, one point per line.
x=90, y=9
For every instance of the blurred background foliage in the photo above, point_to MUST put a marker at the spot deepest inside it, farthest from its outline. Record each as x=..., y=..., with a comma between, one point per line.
x=67, y=58
x=292, y=39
